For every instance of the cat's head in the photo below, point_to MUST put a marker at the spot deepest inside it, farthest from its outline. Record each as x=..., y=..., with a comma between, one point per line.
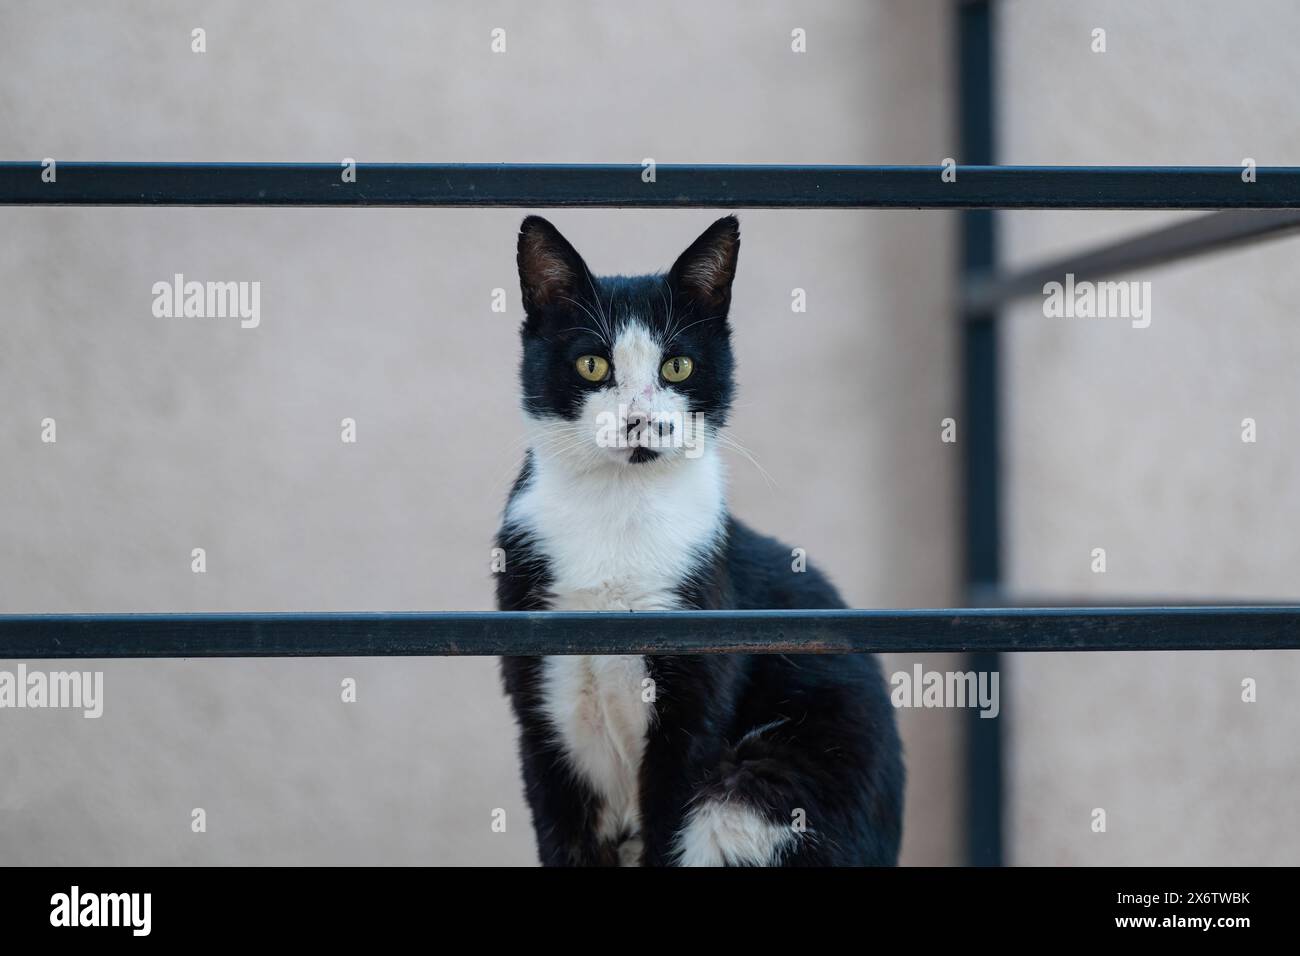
x=626, y=371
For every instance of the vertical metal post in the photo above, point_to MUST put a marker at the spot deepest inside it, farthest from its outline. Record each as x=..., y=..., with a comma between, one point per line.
x=980, y=399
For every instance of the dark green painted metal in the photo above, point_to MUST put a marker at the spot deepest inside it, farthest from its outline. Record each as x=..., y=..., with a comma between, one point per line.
x=980, y=423
x=726, y=187
x=36, y=636
x=1220, y=231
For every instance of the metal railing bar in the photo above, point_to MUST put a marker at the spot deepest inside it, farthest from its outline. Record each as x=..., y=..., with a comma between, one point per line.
x=981, y=465
x=1184, y=240
x=716, y=186
x=1244, y=627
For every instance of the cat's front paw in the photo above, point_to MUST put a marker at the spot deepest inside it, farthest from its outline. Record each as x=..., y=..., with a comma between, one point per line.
x=631, y=851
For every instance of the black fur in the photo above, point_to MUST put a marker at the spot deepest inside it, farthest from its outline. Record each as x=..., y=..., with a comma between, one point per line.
x=772, y=732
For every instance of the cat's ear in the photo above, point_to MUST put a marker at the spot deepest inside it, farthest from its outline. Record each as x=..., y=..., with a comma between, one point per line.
x=550, y=269
x=705, y=270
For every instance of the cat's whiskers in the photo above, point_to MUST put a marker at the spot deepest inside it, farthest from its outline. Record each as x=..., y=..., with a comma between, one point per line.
x=601, y=329
x=728, y=441
x=668, y=305
x=606, y=324
x=562, y=440
x=584, y=328
x=688, y=327
x=550, y=444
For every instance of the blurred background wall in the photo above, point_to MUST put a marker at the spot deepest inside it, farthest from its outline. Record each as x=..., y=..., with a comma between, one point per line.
x=1130, y=440
x=183, y=433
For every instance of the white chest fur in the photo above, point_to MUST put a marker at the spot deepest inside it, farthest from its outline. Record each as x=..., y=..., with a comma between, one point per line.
x=615, y=540
x=598, y=707
x=622, y=538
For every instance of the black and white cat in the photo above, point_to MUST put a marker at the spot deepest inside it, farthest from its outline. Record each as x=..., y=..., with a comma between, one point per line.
x=733, y=759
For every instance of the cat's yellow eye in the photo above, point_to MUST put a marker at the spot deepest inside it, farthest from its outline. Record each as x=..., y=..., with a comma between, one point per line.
x=593, y=368
x=677, y=369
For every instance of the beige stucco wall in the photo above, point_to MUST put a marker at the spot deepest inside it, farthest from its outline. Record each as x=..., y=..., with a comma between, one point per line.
x=175, y=434
x=1130, y=440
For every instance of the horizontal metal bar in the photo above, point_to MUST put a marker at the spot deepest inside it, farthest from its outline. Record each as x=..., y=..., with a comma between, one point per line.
x=1213, y=233
x=529, y=186
x=670, y=632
